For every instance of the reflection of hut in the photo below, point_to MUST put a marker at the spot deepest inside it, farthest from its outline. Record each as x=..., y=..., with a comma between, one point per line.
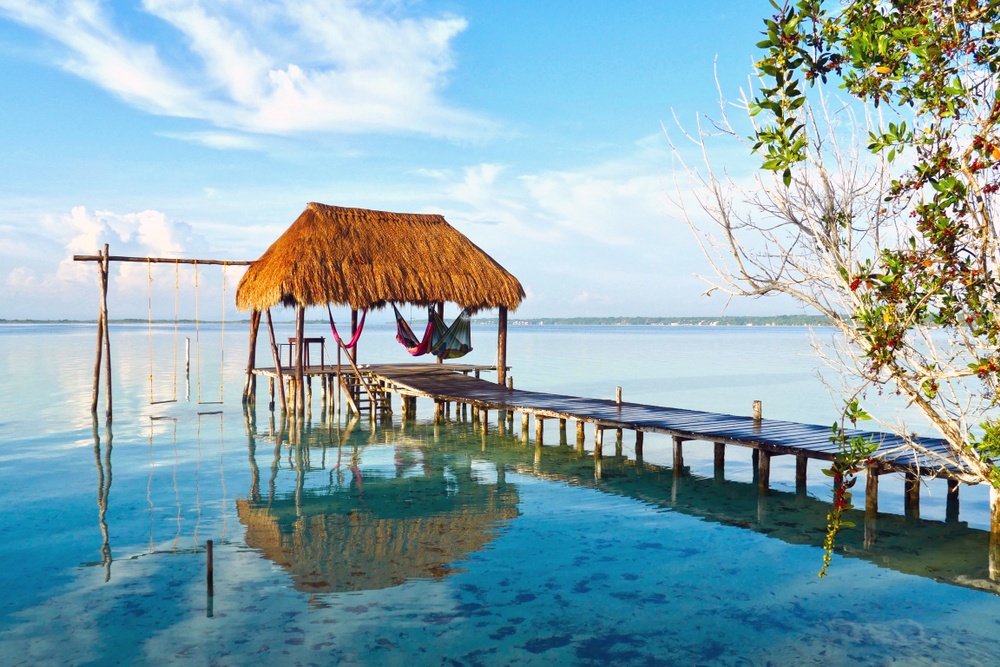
x=365, y=259
x=396, y=530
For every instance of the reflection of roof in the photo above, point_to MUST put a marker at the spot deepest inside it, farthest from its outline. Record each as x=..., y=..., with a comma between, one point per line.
x=347, y=543
x=364, y=258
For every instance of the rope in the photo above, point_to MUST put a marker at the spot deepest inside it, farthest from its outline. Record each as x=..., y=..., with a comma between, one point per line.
x=197, y=331
x=177, y=287
x=222, y=359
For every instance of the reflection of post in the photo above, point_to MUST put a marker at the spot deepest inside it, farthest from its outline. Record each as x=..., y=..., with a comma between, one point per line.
x=103, y=491
x=252, y=454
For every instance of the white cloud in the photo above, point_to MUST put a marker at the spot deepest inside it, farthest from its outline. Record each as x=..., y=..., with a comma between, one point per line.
x=277, y=68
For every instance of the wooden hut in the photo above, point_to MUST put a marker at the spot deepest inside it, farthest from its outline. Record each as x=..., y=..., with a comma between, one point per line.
x=366, y=259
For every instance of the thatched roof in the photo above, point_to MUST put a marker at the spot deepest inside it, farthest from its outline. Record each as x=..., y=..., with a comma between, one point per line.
x=362, y=258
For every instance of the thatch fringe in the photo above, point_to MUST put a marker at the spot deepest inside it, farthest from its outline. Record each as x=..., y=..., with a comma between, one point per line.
x=365, y=259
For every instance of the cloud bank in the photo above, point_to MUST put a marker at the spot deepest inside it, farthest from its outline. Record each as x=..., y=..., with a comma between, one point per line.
x=250, y=66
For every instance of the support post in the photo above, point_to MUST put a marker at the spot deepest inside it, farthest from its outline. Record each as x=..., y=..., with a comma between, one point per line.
x=720, y=460
x=871, y=490
x=440, y=309
x=300, y=334
x=105, y=272
x=911, y=496
x=638, y=445
x=758, y=411
x=764, y=473
x=994, y=557
x=580, y=436
x=951, y=503
x=539, y=429
x=100, y=341
x=524, y=427
x=502, y=346
x=250, y=384
x=354, y=329
x=801, y=474
x=678, y=456
x=598, y=442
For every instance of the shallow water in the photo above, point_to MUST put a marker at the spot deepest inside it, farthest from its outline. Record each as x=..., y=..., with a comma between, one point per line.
x=419, y=544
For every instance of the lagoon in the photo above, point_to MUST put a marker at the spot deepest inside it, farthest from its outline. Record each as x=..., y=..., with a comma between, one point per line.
x=432, y=545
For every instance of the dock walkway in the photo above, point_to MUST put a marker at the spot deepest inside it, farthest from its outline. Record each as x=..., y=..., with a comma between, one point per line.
x=767, y=437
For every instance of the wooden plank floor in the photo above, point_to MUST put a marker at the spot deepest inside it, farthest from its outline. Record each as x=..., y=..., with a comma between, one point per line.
x=774, y=436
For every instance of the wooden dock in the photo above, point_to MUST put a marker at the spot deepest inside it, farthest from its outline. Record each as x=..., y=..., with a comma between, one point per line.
x=461, y=384
x=766, y=437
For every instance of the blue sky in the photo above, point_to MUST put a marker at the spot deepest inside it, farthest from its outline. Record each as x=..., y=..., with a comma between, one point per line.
x=201, y=128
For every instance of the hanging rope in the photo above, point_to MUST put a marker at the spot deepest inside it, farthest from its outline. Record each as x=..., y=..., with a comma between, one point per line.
x=149, y=303
x=197, y=331
x=177, y=287
x=222, y=357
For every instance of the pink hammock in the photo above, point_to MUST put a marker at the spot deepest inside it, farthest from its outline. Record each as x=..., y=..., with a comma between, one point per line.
x=408, y=339
x=357, y=334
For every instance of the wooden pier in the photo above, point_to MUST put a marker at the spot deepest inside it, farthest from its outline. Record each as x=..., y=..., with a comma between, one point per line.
x=766, y=437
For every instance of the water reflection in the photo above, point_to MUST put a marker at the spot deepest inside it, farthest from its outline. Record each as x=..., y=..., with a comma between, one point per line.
x=104, y=478
x=398, y=504
x=385, y=512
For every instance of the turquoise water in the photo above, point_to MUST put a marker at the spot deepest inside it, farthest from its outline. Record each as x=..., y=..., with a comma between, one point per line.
x=432, y=545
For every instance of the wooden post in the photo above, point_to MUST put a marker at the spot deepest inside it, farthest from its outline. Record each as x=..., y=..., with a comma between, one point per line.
x=951, y=503
x=764, y=473
x=354, y=329
x=720, y=460
x=502, y=345
x=300, y=334
x=638, y=445
x=105, y=272
x=539, y=429
x=250, y=384
x=994, y=557
x=757, y=411
x=598, y=442
x=871, y=490
x=440, y=309
x=618, y=432
x=678, y=456
x=801, y=471
x=524, y=427
x=100, y=340
x=485, y=414
x=438, y=411
x=911, y=496
x=580, y=436
x=282, y=399
x=209, y=568
x=755, y=464
x=510, y=413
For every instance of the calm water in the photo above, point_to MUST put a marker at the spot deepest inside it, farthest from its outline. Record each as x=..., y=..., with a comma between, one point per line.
x=442, y=545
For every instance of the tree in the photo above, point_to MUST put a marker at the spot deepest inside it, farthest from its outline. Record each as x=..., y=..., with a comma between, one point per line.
x=894, y=238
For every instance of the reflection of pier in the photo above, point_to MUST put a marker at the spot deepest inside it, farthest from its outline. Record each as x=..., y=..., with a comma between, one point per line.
x=364, y=525
x=338, y=528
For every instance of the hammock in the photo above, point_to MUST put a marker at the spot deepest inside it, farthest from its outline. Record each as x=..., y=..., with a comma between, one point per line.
x=445, y=342
x=406, y=337
x=454, y=341
x=357, y=334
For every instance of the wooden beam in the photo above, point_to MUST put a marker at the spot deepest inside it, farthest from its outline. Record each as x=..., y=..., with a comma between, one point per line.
x=160, y=260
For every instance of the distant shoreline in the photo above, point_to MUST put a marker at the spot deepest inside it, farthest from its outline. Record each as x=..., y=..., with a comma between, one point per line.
x=748, y=321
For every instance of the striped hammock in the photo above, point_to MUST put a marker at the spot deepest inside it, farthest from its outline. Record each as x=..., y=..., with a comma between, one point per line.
x=441, y=340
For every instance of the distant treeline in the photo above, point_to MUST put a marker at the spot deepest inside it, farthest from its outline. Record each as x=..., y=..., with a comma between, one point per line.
x=731, y=321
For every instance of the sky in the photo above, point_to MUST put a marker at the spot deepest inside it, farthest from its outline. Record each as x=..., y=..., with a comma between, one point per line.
x=202, y=128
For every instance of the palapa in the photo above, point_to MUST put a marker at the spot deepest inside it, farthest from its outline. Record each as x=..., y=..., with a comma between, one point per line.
x=364, y=259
